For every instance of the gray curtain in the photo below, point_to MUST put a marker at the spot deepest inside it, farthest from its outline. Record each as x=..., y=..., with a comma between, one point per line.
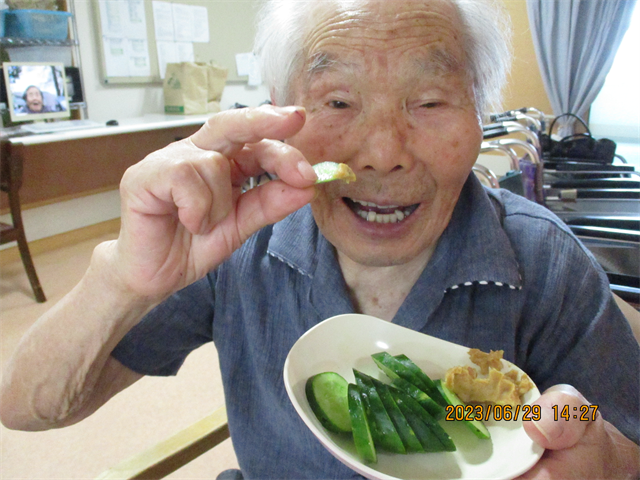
x=576, y=42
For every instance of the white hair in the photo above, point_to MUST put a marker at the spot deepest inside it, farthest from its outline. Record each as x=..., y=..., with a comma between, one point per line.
x=283, y=24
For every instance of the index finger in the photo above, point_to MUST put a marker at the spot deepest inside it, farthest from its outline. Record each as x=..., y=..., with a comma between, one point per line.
x=227, y=132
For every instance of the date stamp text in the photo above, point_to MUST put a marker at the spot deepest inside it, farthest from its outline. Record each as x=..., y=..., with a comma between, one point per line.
x=525, y=413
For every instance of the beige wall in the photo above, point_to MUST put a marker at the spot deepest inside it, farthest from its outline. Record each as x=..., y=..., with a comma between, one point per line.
x=525, y=88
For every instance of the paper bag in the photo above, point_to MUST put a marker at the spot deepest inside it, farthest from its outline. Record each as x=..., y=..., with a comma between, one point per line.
x=192, y=88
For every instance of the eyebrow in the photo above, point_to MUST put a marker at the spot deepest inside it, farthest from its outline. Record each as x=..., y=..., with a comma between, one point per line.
x=439, y=62
x=322, y=61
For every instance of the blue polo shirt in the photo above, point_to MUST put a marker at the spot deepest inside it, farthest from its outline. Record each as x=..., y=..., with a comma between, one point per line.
x=506, y=275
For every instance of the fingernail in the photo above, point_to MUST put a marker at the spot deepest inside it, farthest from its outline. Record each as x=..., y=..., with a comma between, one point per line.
x=549, y=428
x=307, y=171
x=294, y=109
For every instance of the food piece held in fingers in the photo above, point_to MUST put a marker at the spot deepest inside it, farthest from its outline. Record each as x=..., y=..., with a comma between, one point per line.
x=329, y=171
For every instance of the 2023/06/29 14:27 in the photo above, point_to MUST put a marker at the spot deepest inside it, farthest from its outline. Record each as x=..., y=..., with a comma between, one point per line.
x=514, y=413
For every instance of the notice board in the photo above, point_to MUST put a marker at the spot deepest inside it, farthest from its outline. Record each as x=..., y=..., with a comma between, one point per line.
x=134, y=37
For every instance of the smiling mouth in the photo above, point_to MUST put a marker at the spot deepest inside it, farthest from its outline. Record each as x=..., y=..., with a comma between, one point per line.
x=380, y=213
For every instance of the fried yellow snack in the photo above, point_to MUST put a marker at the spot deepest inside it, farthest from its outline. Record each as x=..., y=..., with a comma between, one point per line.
x=329, y=171
x=496, y=388
x=485, y=360
x=493, y=387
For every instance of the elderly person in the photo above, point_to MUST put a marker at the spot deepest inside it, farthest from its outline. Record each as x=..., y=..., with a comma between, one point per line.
x=396, y=90
x=34, y=101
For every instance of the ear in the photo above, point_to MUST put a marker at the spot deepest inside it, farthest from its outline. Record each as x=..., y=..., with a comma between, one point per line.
x=272, y=95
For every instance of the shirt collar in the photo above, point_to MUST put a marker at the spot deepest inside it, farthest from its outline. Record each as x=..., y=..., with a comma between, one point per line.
x=473, y=249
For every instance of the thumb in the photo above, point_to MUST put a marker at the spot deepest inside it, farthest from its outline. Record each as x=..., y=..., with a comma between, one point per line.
x=562, y=421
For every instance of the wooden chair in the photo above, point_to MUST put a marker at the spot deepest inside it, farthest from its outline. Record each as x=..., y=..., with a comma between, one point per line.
x=169, y=455
x=10, y=183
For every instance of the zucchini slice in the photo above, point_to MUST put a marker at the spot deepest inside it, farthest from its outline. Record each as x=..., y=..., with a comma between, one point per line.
x=327, y=396
x=360, y=426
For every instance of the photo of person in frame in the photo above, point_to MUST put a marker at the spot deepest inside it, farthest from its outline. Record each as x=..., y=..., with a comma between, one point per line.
x=37, y=89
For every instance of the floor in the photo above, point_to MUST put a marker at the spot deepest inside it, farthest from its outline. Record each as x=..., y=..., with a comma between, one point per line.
x=137, y=418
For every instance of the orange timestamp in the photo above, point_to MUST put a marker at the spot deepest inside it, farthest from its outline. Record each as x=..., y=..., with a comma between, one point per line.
x=584, y=413
x=485, y=413
x=492, y=412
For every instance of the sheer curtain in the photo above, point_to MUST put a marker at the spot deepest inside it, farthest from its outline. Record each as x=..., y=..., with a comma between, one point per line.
x=576, y=42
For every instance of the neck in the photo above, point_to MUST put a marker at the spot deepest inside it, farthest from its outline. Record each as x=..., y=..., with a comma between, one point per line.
x=380, y=291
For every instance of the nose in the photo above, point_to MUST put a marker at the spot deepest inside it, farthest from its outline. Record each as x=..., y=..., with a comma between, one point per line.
x=384, y=145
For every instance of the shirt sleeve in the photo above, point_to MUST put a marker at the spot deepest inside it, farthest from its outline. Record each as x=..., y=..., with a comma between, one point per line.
x=160, y=342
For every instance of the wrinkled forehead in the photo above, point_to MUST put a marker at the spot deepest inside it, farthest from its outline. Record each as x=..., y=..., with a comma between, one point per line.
x=430, y=29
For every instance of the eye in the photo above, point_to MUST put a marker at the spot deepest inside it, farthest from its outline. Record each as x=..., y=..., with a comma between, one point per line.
x=338, y=104
x=430, y=105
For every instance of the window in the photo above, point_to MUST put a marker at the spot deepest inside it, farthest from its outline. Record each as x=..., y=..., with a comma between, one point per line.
x=615, y=113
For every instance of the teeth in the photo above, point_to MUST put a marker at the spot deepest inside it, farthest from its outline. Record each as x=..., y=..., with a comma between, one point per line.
x=398, y=213
x=371, y=204
x=394, y=217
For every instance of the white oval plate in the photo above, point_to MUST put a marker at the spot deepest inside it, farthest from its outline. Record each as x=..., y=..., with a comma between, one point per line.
x=344, y=342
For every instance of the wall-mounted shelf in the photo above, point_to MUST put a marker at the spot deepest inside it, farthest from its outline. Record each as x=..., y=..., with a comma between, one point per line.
x=66, y=51
x=33, y=42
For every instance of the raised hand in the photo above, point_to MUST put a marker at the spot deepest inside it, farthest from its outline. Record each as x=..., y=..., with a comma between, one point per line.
x=182, y=208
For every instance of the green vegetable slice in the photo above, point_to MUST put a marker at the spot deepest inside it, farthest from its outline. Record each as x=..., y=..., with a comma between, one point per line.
x=426, y=418
x=383, y=431
x=327, y=396
x=360, y=426
x=476, y=426
x=394, y=368
x=408, y=436
x=429, y=385
x=421, y=397
x=426, y=436
x=329, y=171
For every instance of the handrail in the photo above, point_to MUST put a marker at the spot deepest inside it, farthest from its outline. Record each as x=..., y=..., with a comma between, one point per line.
x=530, y=149
x=513, y=157
x=488, y=174
x=173, y=453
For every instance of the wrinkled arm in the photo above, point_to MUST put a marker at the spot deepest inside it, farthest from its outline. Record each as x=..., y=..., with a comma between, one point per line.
x=61, y=371
x=183, y=213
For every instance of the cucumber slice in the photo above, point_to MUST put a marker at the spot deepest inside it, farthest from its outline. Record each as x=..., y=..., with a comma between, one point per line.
x=329, y=171
x=360, y=426
x=421, y=397
x=429, y=385
x=426, y=436
x=383, y=431
x=393, y=368
x=408, y=436
x=327, y=396
x=426, y=418
x=476, y=426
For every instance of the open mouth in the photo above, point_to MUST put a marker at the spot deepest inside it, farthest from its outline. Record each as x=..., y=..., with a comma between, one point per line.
x=380, y=213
